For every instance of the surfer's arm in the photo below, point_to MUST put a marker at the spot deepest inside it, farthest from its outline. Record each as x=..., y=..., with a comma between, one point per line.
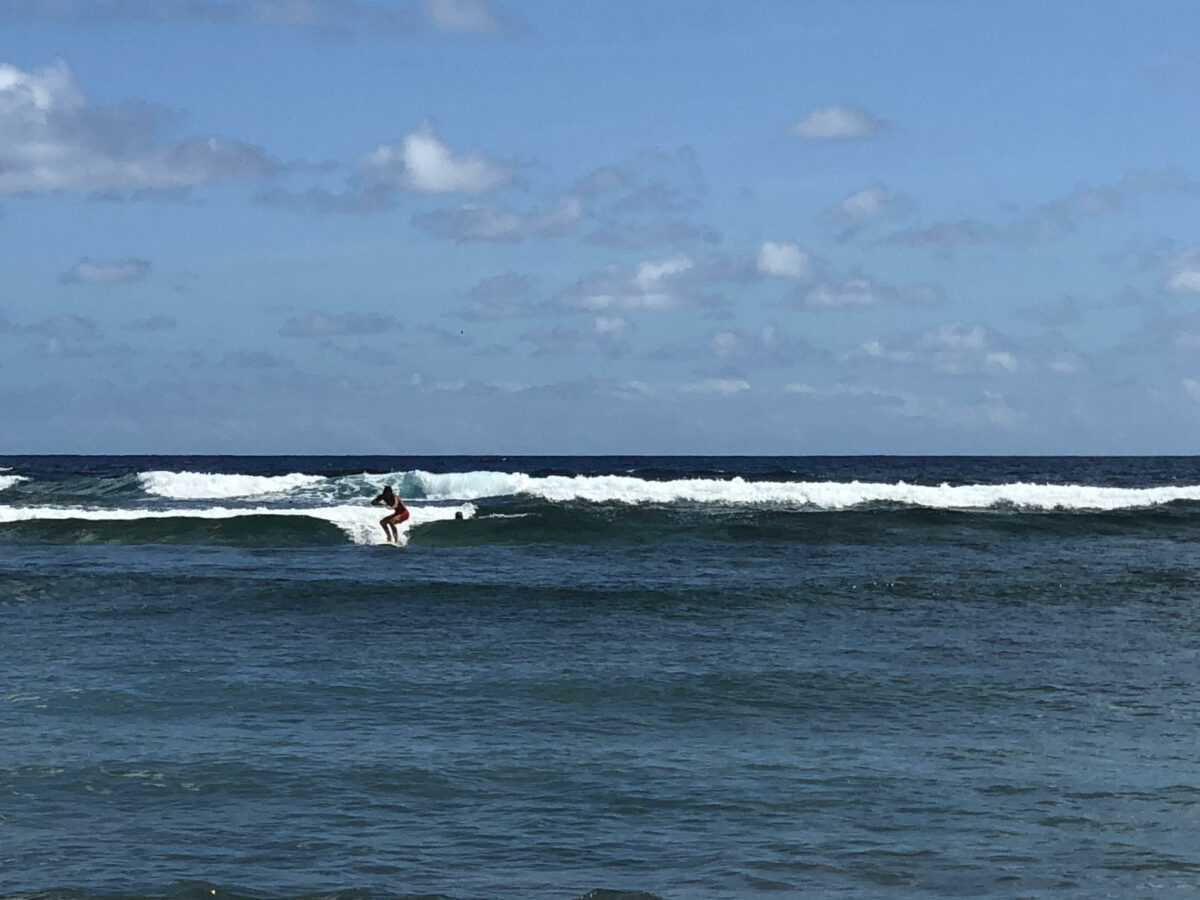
x=377, y=500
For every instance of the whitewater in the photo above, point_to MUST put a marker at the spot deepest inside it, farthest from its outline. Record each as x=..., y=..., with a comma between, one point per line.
x=172, y=497
x=827, y=495
x=359, y=524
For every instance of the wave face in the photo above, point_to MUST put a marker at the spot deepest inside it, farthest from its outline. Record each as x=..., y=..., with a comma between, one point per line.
x=303, y=500
x=356, y=524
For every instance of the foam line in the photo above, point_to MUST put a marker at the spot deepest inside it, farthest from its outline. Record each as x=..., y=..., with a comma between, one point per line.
x=359, y=523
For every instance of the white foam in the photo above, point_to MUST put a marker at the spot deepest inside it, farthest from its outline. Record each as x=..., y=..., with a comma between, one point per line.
x=359, y=523
x=819, y=494
x=7, y=481
x=208, y=486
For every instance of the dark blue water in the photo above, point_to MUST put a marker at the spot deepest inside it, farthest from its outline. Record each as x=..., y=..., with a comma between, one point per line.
x=566, y=697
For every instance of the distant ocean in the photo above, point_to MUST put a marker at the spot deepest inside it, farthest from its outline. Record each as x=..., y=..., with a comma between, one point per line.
x=614, y=678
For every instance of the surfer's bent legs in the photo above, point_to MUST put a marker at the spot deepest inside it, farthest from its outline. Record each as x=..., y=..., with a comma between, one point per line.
x=389, y=524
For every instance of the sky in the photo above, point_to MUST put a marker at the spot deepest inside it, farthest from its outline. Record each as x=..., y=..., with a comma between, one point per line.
x=600, y=227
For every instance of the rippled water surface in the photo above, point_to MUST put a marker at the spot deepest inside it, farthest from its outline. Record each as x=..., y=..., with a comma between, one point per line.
x=557, y=697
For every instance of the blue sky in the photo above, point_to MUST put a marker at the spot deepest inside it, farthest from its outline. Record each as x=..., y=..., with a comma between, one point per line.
x=472, y=226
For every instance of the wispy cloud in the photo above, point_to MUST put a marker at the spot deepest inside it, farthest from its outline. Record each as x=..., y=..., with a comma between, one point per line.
x=65, y=336
x=951, y=350
x=1183, y=273
x=251, y=359
x=319, y=201
x=874, y=203
x=154, y=323
x=673, y=233
x=472, y=16
x=992, y=411
x=115, y=271
x=653, y=180
x=859, y=291
x=744, y=349
x=486, y=222
x=323, y=325
x=498, y=297
x=67, y=326
x=336, y=18
x=720, y=386
x=604, y=334
x=1047, y=220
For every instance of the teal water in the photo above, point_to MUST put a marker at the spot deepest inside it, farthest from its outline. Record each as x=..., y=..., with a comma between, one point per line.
x=563, y=697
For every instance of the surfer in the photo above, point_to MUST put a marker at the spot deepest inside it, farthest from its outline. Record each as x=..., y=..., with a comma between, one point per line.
x=399, y=512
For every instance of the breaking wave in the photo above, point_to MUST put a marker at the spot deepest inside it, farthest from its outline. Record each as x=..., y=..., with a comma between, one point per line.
x=629, y=489
x=357, y=523
x=7, y=481
x=827, y=495
x=85, y=502
x=208, y=486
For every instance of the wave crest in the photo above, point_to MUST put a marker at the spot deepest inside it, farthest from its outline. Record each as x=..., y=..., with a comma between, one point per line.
x=208, y=486
x=7, y=481
x=829, y=495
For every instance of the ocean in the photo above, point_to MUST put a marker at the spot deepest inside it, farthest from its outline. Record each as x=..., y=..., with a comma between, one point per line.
x=613, y=678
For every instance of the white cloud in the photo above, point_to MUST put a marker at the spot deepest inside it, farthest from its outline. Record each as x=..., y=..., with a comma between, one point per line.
x=116, y=271
x=654, y=272
x=1185, y=281
x=837, y=123
x=871, y=204
x=652, y=285
x=53, y=139
x=423, y=163
x=764, y=347
x=485, y=222
x=951, y=349
x=464, y=15
x=1066, y=364
x=859, y=291
x=784, y=259
x=851, y=292
x=1184, y=274
x=609, y=324
x=1192, y=386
